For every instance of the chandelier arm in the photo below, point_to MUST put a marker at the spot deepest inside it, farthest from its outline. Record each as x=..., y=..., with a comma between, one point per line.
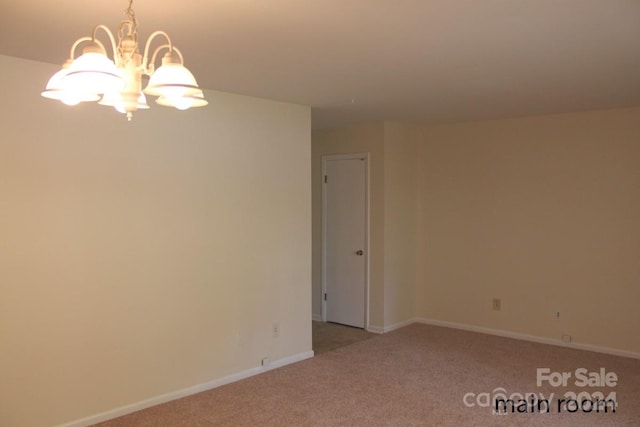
x=164, y=46
x=176, y=50
x=77, y=43
x=153, y=35
x=111, y=38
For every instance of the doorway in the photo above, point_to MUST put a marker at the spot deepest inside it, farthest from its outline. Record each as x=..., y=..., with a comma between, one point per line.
x=345, y=239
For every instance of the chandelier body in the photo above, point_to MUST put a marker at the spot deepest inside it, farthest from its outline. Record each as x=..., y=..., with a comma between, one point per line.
x=118, y=83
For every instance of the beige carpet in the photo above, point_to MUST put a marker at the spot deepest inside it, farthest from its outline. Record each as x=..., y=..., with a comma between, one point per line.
x=415, y=376
x=330, y=336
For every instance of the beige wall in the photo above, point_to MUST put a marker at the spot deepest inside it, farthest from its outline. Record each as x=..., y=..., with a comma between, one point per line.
x=141, y=258
x=401, y=147
x=540, y=212
x=367, y=138
x=543, y=213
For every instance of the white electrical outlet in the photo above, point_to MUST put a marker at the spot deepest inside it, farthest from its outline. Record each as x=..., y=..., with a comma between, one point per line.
x=566, y=338
x=276, y=330
x=497, y=304
x=265, y=361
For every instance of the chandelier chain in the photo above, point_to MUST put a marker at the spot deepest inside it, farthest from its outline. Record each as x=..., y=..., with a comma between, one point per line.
x=128, y=28
x=129, y=11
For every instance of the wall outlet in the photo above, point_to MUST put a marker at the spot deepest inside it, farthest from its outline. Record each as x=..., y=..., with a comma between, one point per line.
x=276, y=330
x=497, y=304
x=566, y=338
x=557, y=315
x=265, y=361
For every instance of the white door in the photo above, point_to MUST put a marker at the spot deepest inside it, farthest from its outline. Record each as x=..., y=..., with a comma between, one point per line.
x=345, y=239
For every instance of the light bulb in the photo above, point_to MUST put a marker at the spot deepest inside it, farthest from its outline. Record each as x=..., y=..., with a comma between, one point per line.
x=70, y=98
x=182, y=103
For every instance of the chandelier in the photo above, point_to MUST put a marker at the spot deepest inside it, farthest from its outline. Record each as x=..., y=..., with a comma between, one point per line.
x=118, y=83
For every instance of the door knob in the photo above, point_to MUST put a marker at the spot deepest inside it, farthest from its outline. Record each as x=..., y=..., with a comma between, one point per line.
x=360, y=252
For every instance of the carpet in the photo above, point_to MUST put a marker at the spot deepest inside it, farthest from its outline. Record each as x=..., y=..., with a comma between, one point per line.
x=418, y=375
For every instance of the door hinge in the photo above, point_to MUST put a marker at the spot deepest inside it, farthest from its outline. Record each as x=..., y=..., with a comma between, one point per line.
x=325, y=296
x=325, y=179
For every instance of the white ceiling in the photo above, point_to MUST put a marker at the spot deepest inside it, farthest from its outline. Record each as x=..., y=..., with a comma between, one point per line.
x=361, y=60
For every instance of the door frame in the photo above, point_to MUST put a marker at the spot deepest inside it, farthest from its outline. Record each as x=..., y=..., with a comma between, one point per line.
x=351, y=156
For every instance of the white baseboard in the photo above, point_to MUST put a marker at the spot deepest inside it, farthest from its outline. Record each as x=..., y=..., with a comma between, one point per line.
x=138, y=406
x=525, y=337
x=398, y=325
x=375, y=329
x=316, y=317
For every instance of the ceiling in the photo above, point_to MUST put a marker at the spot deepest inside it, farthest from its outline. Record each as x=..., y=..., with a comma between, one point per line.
x=362, y=60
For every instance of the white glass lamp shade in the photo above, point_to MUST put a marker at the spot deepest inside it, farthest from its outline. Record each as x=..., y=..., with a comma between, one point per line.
x=93, y=74
x=172, y=80
x=55, y=89
x=184, y=102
